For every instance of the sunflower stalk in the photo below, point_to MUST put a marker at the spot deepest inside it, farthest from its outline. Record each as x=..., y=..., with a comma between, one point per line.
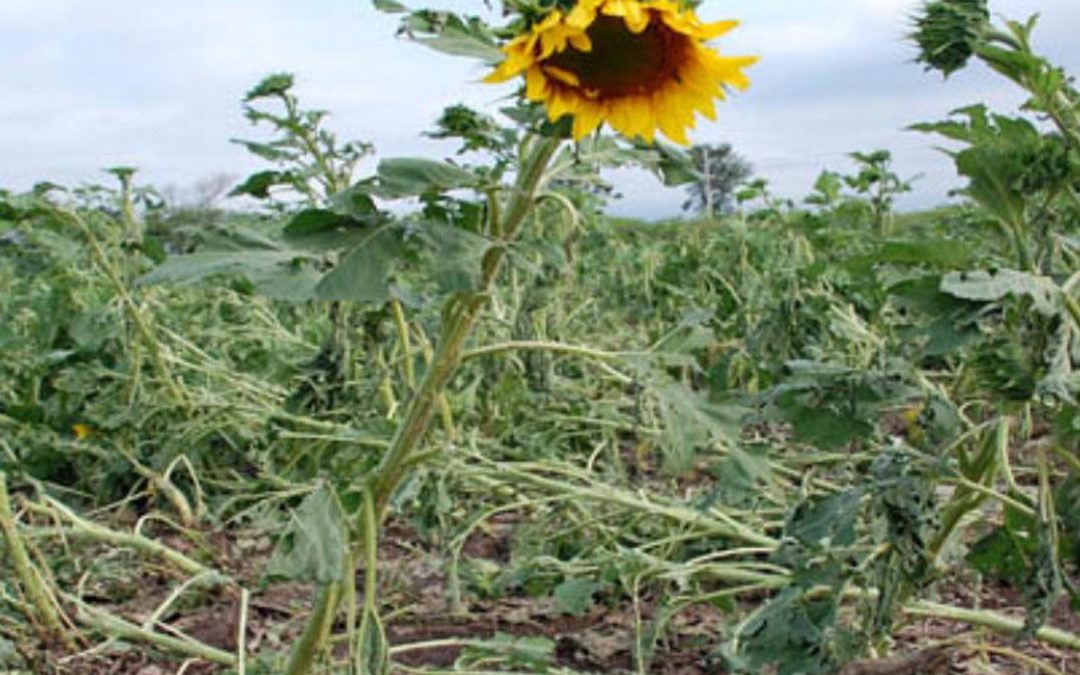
x=46, y=615
x=460, y=316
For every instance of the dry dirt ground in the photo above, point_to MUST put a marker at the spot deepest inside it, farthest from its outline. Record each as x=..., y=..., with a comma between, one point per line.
x=414, y=586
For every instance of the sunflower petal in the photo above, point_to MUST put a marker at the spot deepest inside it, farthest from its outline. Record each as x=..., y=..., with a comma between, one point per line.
x=669, y=78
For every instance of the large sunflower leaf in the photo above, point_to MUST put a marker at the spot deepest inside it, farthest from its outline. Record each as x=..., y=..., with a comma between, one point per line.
x=282, y=274
x=452, y=34
x=313, y=547
x=393, y=258
x=413, y=176
x=992, y=286
x=363, y=275
x=321, y=230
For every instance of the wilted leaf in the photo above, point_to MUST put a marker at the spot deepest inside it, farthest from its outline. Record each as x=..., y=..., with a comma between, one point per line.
x=314, y=544
x=574, y=596
x=991, y=286
x=452, y=34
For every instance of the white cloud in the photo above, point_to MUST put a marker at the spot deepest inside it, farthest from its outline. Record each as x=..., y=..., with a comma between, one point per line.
x=91, y=84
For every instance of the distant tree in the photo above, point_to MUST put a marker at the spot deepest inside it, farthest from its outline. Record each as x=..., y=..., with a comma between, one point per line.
x=721, y=170
x=212, y=188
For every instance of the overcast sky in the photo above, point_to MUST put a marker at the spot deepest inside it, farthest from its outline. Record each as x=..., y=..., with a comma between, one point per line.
x=94, y=83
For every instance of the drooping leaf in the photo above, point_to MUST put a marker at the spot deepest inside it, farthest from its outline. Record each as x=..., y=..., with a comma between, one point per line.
x=452, y=34
x=792, y=634
x=575, y=595
x=691, y=421
x=323, y=230
x=941, y=322
x=991, y=286
x=827, y=521
x=314, y=544
x=533, y=653
x=389, y=6
x=363, y=275
x=411, y=177
x=280, y=274
x=403, y=259
x=454, y=256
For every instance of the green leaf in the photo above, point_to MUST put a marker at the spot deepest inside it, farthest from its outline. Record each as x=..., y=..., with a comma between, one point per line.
x=452, y=34
x=932, y=253
x=674, y=166
x=992, y=286
x=945, y=322
x=575, y=595
x=268, y=151
x=389, y=6
x=273, y=85
x=315, y=221
x=454, y=256
x=742, y=477
x=535, y=654
x=258, y=185
x=400, y=259
x=356, y=202
x=363, y=275
x=314, y=544
x=1003, y=555
x=792, y=634
x=279, y=274
x=690, y=422
x=322, y=230
x=830, y=405
x=825, y=522
x=411, y=177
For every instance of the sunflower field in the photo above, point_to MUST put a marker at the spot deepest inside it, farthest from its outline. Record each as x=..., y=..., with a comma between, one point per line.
x=447, y=416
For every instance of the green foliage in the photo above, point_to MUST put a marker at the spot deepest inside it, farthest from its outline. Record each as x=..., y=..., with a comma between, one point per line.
x=311, y=162
x=575, y=596
x=949, y=31
x=313, y=545
x=770, y=416
x=829, y=406
x=798, y=630
x=1007, y=160
x=446, y=32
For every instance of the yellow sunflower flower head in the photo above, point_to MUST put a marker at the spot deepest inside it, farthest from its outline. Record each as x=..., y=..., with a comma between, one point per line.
x=642, y=66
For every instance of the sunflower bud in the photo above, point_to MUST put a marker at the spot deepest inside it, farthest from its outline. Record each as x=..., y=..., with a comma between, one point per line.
x=949, y=31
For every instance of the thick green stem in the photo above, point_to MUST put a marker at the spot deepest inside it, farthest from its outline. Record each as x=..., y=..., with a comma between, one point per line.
x=119, y=628
x=311, y=644
x=993, y=621
x=1023, y=255
x=708, y=521
x=85, y=529
x=459, y=317
x=28, y=578
x=402, y=325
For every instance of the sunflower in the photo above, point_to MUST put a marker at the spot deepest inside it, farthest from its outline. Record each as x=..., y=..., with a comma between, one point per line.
x=642, y=66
